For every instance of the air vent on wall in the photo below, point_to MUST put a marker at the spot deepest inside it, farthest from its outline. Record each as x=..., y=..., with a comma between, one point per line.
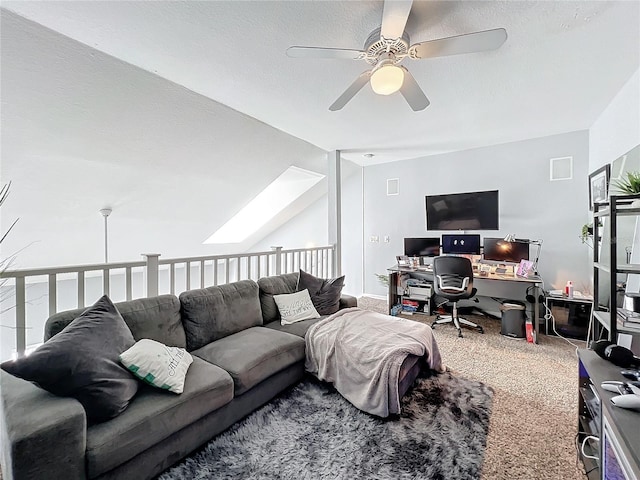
x=561, y=168
x=393, y=186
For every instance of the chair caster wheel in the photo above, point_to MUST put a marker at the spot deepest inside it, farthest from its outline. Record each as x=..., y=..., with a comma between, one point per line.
x=460, y=334
x=481, y=330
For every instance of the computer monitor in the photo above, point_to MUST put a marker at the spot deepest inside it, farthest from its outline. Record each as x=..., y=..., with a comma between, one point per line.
x=422, y=247
x=499, y=250
x=460, y=244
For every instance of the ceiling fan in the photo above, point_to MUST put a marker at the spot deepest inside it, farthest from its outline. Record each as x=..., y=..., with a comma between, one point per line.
x=388, y=45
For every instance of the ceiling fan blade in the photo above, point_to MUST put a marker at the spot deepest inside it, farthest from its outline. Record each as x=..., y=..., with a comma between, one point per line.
x=320, y=52
x=412, y=92
x=350, y=92
x=467, y=43
x=394, y=18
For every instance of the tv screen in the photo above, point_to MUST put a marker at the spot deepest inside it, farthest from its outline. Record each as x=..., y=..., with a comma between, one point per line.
x=498, y=250
x=461, y=244
x=422, y=247
x=463, y=211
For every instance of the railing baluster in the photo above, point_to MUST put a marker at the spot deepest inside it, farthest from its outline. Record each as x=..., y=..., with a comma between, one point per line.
x=187, y=269
x=53, y=294
x=105, y=281
x=172, y=278
x=128, y=284
x=249, y=260
x=239, y=263
x=21, y=316
x=226, y=271
x=81, y=289
x=215, y=272
x=201, y=273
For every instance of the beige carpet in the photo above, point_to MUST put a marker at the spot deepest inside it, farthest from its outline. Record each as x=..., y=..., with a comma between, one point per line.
x=534, y=416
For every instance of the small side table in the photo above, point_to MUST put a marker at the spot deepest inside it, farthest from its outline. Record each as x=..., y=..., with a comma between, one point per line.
x=572, y=316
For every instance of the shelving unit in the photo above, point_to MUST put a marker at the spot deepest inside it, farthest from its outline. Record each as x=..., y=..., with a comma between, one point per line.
x=617, y=206
x=397, y=294
x=603, y=427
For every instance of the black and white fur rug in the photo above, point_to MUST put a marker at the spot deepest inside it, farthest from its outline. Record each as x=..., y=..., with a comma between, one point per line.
x=312, y=432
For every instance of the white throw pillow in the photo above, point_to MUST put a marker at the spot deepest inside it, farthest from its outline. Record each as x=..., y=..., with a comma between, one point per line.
x=158, y=365
x=294, y=307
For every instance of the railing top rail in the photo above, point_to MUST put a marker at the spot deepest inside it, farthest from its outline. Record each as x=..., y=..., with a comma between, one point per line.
x=31, y=272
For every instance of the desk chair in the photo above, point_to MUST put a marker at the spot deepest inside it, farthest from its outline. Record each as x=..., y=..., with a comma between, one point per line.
x=453, y=280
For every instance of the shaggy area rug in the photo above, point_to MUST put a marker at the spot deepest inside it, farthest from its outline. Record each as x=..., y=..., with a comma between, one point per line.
x=312, y=432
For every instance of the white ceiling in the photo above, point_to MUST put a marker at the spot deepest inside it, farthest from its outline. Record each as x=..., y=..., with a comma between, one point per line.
x=561, y=65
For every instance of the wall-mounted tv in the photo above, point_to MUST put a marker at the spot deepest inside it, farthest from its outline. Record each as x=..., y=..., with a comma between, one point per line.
x=463, y=211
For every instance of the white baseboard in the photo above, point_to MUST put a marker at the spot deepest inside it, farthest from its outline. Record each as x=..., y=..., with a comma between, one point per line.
x=377, y=297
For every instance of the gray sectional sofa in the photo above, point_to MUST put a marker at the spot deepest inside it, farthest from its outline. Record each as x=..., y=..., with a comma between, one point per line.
x=242, y=358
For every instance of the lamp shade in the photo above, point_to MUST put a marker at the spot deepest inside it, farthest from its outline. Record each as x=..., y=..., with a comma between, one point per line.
x=387, y=79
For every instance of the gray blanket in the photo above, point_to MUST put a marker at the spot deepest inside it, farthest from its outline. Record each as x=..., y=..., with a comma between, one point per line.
x=361, y=352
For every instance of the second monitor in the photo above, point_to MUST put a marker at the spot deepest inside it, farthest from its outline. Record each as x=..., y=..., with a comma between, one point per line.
x=461, y=244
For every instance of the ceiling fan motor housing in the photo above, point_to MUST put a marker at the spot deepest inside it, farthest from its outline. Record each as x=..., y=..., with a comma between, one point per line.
x=376, y=46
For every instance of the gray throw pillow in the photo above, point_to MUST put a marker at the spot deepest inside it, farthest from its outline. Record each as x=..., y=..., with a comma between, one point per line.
x=325, y=293
x=82, y=361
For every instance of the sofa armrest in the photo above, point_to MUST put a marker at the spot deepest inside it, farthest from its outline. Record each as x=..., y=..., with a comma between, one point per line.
x=41, y=435
x=347, y=301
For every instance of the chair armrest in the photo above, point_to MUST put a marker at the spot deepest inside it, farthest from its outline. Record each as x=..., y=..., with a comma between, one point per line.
x=41, y=435
x=347, y=301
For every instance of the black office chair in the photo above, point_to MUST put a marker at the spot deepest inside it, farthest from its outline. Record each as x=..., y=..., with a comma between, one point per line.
x=453, y=280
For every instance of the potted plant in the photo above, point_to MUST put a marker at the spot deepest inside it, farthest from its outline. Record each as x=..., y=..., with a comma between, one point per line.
x=629, y=184
x=586, y=232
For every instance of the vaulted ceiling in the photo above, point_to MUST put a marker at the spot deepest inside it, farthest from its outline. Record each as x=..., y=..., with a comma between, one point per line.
x=177, y=113
x=561, y=65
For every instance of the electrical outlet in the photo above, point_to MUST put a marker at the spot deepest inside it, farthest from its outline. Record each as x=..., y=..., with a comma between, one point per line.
x=386, y=239
x=374, y=239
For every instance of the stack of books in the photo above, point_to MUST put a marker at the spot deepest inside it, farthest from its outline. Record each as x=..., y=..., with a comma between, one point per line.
x=630, y=319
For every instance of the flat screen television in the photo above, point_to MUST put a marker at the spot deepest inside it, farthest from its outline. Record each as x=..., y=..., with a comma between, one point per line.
x=498, y=250
x=463, y=211
x=461, y=244
x=422, y=247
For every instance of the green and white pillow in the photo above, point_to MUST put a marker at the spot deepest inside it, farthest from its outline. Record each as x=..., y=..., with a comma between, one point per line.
x=158, y=365
x=294, y=307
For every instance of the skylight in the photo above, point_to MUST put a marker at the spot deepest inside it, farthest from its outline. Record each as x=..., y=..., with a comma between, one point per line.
x=267, y=204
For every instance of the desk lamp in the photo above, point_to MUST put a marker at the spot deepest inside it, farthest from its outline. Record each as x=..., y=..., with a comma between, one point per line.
x=511, y=237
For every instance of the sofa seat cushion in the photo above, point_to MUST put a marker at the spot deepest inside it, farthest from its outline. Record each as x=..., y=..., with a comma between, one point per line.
x=299, y=328
x=155, y=414
x=253, y=355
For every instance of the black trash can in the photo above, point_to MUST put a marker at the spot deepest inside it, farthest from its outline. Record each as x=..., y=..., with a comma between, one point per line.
x=513, y=320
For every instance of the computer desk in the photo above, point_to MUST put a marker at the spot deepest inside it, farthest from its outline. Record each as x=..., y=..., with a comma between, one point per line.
x=508, y=286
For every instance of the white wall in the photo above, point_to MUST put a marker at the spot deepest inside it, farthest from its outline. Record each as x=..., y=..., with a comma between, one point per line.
x=81, y=130
x=531, y=206
x=617, y=129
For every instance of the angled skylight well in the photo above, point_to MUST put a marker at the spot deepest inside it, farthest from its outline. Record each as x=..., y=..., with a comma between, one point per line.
x=278, y=195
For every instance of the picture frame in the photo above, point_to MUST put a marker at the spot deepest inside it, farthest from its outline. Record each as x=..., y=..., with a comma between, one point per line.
x=599, y=185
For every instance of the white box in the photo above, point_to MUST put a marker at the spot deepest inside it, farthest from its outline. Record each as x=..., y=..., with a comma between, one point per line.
x=420, y=293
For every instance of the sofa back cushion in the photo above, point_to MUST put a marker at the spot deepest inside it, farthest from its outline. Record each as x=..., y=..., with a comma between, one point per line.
x=276, y=285
x=212, y=313
x=157, y=318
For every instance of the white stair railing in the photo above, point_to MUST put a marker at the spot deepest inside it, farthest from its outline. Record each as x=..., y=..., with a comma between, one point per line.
x=24, y=310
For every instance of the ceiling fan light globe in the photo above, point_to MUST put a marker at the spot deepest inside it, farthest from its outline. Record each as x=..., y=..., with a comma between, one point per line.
x=387, y=80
